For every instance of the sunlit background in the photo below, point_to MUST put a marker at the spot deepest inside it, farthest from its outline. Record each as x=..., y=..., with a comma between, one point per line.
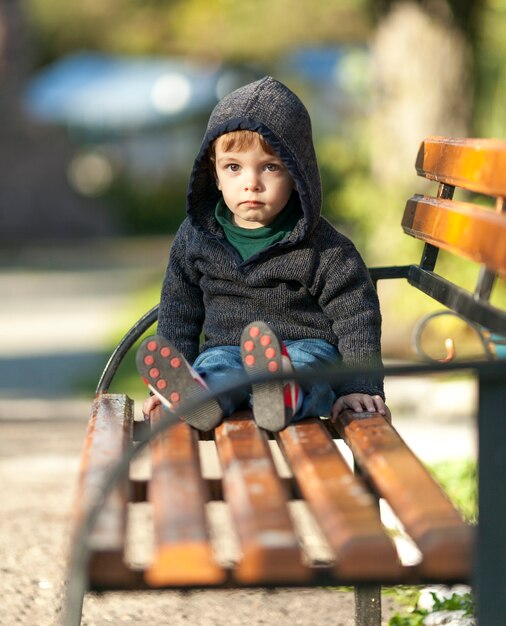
x=103, y=106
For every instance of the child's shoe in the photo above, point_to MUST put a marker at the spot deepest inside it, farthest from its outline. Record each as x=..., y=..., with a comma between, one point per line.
x=274, y=403
x=171, y=378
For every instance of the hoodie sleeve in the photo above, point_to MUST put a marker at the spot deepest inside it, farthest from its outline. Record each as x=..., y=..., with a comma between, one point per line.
x=181, y=313
x=348, y=298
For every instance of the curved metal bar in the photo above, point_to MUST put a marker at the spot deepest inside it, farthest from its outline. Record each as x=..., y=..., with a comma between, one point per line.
x=449, y=343
x=147, y=320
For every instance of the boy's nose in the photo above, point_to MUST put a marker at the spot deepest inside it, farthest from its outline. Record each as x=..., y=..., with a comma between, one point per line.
x=251, y=183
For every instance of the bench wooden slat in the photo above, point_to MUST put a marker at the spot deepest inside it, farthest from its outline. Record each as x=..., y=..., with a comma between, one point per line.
x=108, y=436
x=474, y=232
x=258, y=503
x=474, y=164
x=426, y=513
x=340, y=502
x=183, y=553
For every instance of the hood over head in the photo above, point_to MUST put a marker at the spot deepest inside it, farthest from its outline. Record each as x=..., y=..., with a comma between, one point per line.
x=271, y=109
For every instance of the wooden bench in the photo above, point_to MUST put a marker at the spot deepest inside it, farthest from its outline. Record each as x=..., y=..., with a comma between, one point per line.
x=262, y=496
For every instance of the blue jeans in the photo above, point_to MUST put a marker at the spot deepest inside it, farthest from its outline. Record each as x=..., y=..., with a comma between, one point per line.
x=220, y=366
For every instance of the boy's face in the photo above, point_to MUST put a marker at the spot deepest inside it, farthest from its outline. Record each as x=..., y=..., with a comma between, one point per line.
x=255, y=185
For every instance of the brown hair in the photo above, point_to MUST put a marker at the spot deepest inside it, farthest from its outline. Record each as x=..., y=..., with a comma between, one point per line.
x=238, y=140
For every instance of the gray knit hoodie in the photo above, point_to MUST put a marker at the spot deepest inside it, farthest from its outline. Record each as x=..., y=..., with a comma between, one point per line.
x=312, y=284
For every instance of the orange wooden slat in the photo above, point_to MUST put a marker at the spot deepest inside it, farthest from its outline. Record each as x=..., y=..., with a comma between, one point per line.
x=474, y=232
x=183, y=553
x=258, y=503
x=108, y=436
x=340, y=502
x=425, y=511
x=475, y=164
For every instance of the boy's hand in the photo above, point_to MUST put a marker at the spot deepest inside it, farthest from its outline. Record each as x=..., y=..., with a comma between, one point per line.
x=359, y=402
x=149, y=404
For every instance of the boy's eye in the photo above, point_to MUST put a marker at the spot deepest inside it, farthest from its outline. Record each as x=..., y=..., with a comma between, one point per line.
x=233, y=167
x=272, y=167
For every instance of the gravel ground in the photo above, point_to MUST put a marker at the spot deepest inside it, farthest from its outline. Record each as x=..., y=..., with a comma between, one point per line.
x=38, y=469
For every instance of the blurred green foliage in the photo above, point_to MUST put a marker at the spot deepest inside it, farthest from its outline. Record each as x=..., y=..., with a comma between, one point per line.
x=143, y=209
x=459, y=479
x=127, y=380
x=354, y=202
x=221, y=29
x=415, y=616
x=490, y=90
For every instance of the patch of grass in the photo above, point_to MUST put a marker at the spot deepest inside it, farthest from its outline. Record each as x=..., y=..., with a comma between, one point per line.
x=126, y=379
x=459, y=479
x=415, y=616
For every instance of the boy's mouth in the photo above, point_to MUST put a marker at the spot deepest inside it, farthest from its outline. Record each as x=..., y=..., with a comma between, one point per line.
x=252, y=203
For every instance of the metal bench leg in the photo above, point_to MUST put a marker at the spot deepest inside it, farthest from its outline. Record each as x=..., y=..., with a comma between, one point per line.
x=368, y=605
x=367, y=595
x=490, y=577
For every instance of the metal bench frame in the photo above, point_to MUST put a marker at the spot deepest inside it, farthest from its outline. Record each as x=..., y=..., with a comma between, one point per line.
x=489, y=561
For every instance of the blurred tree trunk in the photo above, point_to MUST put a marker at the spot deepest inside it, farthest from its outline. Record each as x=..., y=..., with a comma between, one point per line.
x=13, y=57
x=35, y=200
x=423, y=78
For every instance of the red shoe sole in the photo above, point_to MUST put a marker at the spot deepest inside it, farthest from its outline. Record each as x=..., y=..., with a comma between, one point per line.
x=261, y=353
x=166, y=372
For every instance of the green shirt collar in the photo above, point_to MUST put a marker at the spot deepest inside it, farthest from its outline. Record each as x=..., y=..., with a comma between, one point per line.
x=249, y=241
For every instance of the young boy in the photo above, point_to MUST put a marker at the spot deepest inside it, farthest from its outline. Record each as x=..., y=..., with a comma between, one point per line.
x=256, y=269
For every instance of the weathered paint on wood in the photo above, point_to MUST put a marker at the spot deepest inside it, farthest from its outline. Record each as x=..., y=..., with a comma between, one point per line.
x=425, y=511
x=258, y=503
x=183, y=552
x=108, y=436
x=340, y=502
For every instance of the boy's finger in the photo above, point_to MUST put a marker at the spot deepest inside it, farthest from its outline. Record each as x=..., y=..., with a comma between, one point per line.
x=357, y=406
x=369, y=404
x=149, y=404
x=380, y=405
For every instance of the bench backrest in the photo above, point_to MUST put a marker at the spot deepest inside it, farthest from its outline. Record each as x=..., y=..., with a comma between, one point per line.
x=471, y=230
x=468, y=229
